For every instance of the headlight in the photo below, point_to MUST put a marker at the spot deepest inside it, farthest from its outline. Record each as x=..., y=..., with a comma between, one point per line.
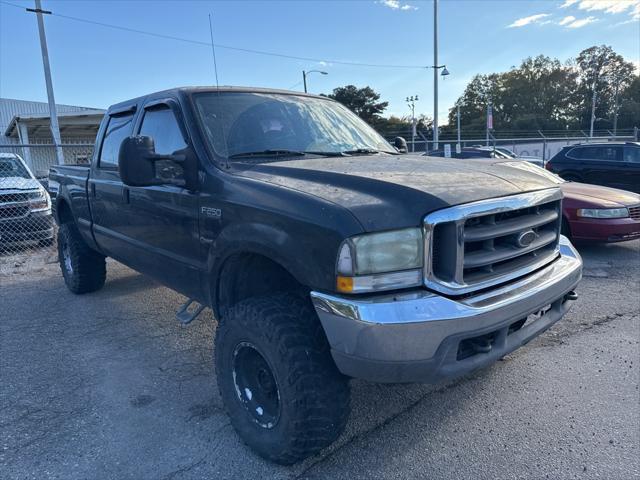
x=603, y=212
x=380, y=261
x=39, y=201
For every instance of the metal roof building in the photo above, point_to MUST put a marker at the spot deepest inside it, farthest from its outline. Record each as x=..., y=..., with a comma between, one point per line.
x=23, y=122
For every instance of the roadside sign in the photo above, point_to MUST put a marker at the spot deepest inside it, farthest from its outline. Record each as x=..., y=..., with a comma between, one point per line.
x=447, y=150
x=458, y=149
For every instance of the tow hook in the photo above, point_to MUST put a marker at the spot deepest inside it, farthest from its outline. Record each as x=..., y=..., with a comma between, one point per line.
x=571, y=296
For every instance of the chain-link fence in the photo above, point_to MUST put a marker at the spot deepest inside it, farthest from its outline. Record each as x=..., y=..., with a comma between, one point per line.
x=27, y=229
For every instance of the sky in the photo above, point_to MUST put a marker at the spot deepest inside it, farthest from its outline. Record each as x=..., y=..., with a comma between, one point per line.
x=94, y=65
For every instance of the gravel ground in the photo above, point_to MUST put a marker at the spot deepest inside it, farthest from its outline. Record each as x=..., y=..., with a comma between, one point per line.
x=109, y=385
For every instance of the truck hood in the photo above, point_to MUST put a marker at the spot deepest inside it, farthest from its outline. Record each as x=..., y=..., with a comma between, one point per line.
x=19, y=183
x=385, y=192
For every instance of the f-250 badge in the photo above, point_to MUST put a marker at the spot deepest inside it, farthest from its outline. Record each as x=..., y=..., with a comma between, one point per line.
x=211, y=212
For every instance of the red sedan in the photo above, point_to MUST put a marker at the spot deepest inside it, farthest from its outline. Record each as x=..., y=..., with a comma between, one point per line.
x=592, y=213
x=600, y=214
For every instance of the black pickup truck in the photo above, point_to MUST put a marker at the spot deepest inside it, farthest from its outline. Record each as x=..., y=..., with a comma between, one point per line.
x=324, y=253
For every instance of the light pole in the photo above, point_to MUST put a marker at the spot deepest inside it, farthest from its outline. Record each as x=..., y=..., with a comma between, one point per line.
x=436, y=67
x=411, y=102
x=459, y=146
x=593, y=107
x=304, y=77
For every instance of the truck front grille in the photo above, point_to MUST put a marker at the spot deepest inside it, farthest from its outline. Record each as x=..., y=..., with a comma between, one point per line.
x=478, y=245
x=14, y=205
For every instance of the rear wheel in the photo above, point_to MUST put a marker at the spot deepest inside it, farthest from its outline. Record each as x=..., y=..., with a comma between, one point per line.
x=84, y=270
x=278, y=382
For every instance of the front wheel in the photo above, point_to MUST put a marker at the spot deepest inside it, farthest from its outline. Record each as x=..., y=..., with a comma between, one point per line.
x=84, y=270
x=278, y=382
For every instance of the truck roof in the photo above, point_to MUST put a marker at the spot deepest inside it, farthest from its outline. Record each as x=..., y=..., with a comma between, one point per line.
x=209, y=88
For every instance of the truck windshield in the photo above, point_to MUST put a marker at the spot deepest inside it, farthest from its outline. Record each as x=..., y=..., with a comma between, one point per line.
x=11, y=167
x=241, y=125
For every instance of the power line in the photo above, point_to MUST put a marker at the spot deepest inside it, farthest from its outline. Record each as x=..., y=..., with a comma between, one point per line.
x=225, y=47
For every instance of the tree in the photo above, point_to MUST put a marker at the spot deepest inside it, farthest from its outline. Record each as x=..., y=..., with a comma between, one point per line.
x=544, y=94
x=605, y=70
x=629, y=104
x=364, y=102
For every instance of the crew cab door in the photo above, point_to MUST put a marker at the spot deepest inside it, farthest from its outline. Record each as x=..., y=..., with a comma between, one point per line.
x=163, y=230
x=106, y=191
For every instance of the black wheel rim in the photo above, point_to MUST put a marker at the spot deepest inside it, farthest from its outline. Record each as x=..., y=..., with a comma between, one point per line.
x=256, y=385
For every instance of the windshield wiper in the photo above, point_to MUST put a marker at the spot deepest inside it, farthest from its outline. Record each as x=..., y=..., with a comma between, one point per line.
x=362, y=151
x=269, y=152
x=327, y=154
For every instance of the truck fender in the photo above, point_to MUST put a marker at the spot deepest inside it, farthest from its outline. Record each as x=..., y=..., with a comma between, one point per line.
x=261, y=239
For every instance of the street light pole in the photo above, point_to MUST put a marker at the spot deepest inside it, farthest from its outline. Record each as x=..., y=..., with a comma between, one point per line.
x=435, y=74
x=593, y=108
x=615, y=108
x=458, y=121
x=304, y=77
x=411, y=102
x=53, y=113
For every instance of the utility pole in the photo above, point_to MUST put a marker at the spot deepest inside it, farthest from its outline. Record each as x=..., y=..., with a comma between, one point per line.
x=435, y=74
x=411, y=102
x=593, y=107
x=458, y=121
x=489, y=119
x=53, y=113
x=615, y=108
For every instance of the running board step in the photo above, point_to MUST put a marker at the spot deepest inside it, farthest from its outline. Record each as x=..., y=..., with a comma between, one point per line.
x=186, y=316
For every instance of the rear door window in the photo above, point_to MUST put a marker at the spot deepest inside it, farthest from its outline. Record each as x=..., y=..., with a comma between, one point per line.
x=118, y=128
x=631, y=154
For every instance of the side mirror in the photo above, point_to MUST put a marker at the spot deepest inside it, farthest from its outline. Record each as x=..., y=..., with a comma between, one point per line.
x=138, y=162
x=401, y=144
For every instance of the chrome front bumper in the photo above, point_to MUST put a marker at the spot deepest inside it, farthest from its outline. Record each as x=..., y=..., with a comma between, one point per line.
x=415, y=336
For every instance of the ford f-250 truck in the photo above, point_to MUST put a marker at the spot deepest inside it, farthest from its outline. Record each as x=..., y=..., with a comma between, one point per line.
x=323, y=252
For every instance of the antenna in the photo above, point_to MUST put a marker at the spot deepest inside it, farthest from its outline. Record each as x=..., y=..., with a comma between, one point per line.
x=215, y=69
x=213, y=51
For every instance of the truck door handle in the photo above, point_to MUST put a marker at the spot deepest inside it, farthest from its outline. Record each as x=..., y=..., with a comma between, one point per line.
x=125, y=194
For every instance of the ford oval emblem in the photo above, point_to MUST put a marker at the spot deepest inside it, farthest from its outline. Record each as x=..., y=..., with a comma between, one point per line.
x=525, y=238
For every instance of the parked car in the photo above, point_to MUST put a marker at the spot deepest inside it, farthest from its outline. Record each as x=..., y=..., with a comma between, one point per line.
x=469, y=152
x=323, y=252
x=593, y=213
x=25, y=207
x=510, y=153
x=612, y=164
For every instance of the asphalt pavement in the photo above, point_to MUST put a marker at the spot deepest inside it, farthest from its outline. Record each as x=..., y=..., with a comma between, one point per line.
x=110, y=386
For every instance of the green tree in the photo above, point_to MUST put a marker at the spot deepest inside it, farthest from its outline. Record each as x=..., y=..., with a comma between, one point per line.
x=544, y=94
x=629, y=104
x=601, y=68
x=364, y=102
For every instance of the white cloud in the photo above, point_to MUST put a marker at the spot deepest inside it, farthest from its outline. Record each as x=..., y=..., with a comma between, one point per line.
x=521, y=22
x=608, y=6
x=567, y=19
x=397, y=5
x=582, y=22
x=568, y=3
